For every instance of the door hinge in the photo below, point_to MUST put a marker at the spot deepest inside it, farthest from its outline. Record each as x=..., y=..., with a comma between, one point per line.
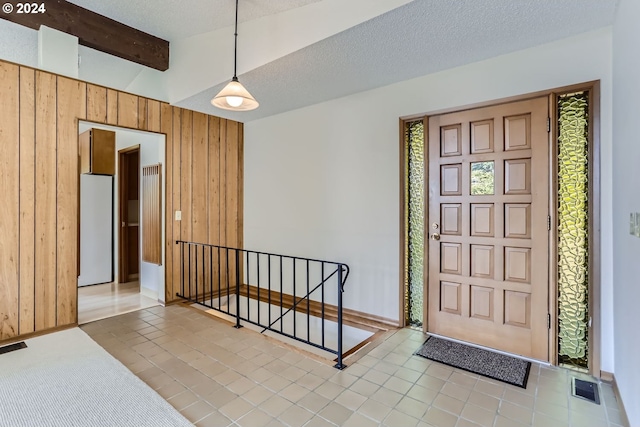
x=548, y=222
x=548, y=124
x=548, y=320
x=589, y=324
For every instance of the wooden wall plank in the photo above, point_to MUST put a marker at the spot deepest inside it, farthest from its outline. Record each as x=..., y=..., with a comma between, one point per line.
x=153, y=115
x=214, y=180
x=186, y=159
x=45, y=203
x=165, y=117
x=10, y=206
x=127, y=110
x=199, y=205
x=240, y=180
x=96, y=103
x=70, y=94
x=222, y=220
x=112, y=107
x=175, y=195
x=231, y=200
x=142, y=114
x=199, y=169
x=27, y=199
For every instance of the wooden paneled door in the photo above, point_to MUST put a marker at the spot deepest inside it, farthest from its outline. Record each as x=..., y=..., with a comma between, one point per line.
x=128, y=214
x=488, y=226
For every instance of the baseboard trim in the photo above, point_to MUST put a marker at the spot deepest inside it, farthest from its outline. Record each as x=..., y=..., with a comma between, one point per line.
x=358, y=319
x=604, y=375
x=30, y=335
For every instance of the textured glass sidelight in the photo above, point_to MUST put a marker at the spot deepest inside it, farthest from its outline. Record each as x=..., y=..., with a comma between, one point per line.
x=414, y=222
x=573, y=223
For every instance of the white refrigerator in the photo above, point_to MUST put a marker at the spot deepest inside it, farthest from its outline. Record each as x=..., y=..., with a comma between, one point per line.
x=96, y=229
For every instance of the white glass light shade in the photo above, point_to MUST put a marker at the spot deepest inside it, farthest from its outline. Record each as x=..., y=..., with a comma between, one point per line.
x=235, y=97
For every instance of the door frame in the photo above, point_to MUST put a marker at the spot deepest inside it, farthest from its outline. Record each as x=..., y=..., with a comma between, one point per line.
x=593, y=88
x=123, y=274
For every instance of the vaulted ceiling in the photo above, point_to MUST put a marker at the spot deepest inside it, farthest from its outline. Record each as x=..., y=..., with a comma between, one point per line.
x=295, y=53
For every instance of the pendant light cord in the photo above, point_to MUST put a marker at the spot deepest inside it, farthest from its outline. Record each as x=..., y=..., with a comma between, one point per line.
x=235, y=48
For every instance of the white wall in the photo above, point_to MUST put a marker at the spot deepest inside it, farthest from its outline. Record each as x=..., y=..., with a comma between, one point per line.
x=626, y=199
x=323, y=181
x=152, y=151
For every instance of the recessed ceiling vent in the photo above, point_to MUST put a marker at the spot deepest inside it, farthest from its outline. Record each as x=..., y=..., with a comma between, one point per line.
x=586, y=390
x=12, y=347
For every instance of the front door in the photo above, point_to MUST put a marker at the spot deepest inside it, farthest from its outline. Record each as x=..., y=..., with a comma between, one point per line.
x=488, y=226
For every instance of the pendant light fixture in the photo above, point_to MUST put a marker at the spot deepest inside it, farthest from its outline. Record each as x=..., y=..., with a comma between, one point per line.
x=234, y=96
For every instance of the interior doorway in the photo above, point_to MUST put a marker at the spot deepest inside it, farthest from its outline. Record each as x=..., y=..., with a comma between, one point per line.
x=134, y=283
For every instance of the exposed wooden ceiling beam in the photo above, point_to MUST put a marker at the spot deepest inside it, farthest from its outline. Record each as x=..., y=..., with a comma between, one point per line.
x=97, y=32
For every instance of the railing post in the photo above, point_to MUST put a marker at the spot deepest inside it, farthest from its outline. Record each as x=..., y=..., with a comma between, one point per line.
x=238, y=325
x=340, y=365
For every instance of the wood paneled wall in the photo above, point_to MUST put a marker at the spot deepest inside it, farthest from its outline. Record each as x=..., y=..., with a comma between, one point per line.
x=39, y=115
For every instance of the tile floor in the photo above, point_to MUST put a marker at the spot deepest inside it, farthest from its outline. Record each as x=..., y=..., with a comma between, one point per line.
x=216, y=375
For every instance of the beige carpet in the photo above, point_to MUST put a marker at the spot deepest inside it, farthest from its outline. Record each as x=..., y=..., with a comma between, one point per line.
x=66, y=379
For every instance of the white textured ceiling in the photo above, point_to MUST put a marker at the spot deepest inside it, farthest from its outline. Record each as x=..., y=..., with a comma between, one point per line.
x=178, y=19
x=422, y=37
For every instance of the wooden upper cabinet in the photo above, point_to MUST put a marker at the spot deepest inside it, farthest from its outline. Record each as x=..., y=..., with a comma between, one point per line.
x=98, y=152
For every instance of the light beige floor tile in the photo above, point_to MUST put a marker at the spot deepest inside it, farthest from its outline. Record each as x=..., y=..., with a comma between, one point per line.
x=197, y=411
x=438, y=417
x=466, y=423
x=342, y=378
x=412, y=407
x=313, y=402
x=519, y=398
x=463, y=380
x=241, y=386
x=275, y=405
x=456, y=391
x=359, y=420
x=422, y=394
x=255, y=418
x=448, y=404
x=237, y=408
x=542, y=420
x=439, y=371
x=490, y=388
x=182, y=400
x=335, y=413
x=397, y=418
x=386, y=396
x=478, y=415
x=295, y=416
x=430, y=382
x=257, y=395
x=374, y=410
x=515, y=412
x=376, y=377
x=311, y=381
x=350, y=399
x=398, y=385
x=507, y=422
x=215, y=419
x=219, y=398
x=485, y=401
x=363, y=387
x=318, y=421
x=294, y=393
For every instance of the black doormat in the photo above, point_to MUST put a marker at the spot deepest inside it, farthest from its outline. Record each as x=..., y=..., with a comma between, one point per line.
x=508, y=369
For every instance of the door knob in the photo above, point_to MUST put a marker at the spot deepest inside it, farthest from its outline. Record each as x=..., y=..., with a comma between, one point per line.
x=435, y=236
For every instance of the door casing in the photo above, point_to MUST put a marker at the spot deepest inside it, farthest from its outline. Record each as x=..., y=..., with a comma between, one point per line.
x=593, y=88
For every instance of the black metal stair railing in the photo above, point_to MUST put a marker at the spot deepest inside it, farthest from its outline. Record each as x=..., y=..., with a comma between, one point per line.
x=299, y=298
